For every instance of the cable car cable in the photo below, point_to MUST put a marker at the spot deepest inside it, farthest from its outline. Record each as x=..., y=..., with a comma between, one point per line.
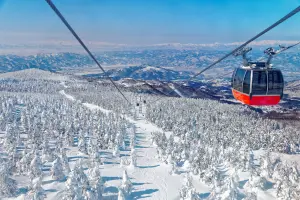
x=290, y=14
x=58, y=13
x=279, y=51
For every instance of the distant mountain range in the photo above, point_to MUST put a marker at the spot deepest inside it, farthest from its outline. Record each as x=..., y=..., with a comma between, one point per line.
x=49, y=62
x=144, y=73
x=163, y=60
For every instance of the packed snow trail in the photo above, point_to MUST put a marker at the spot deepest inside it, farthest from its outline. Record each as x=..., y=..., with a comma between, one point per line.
x=151, y=179
x=67, y=96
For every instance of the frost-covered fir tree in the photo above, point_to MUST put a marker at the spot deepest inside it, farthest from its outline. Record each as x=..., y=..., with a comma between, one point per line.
x=47, y=153
x=187, y=191
x=96, y=182
x=23, y=164
x=9, y=140
x=124, y=162
x=251, y=194
x=251, y=165
x=57, y=172
x=35, y=166
x=132, y=142
x=123, y=144
x=287, y=186
x=294, y=174
x=192, y=195
x=116, y=151
x=82, y=146
x=65, y=161
x=96, y=159
x=174, y=169
x=170, y=143
x=266, y=166
x=256, y=179
x=133, y=159
x=126, y=185
x=244, y=159
x=121, y=195
x=90, y=195
x=37, y=192
x=69, y=138
x=77, y=184
x=8, y=186
x=232, y=191
x=218, y=182
x=81, y=176
x=73, y=188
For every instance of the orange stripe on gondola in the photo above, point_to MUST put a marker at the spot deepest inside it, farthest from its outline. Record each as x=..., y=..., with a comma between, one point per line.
x=262, y=100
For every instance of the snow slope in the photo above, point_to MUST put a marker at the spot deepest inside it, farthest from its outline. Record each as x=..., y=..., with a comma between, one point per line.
x=151, y=178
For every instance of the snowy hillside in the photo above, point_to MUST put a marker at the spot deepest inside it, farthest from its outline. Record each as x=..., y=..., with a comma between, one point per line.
x=34, y=74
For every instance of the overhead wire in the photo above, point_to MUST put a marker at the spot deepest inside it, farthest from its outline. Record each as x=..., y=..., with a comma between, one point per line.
x=58, y=13
x=289, y=15
x=260, y=59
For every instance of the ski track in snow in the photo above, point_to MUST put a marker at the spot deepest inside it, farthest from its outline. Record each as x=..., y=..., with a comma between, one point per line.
x=95, y=107
x=175, y=90
x=150, y=178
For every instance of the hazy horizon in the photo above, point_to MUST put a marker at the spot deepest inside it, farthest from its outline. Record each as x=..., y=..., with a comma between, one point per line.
x=145, y=23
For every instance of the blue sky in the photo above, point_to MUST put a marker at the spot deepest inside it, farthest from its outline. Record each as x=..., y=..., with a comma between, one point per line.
x=141, y=22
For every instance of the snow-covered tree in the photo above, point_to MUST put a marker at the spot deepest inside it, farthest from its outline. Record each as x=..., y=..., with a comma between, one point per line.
x=47, y=153
x=35, y=166
x=187, y=191
x=266, y=166
x=8, y=186
x=218, y=182
x=57, y=172
x=133, y=159
x=232, y=191
x=23, y=164
x=174, y=169
x=69, y=138
x=96, y=182
x=77, y=184
x=82, y=146
x=116, y=151
x=121, y=195
x=37, y=192
x=65, y=161
x=251, y=194
x=73, y=188
x=126, y=185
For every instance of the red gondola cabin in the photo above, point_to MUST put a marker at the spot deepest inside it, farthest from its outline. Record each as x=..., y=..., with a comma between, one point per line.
x=258, y=85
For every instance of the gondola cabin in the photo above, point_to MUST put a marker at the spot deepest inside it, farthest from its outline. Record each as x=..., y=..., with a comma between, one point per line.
x=257, y=84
